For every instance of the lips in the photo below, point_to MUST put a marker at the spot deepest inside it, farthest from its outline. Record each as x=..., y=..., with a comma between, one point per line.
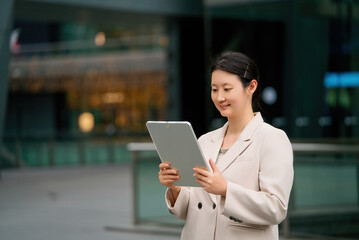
x=224, y=106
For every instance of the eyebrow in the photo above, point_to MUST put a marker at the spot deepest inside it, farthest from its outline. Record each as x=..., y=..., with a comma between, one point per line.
x=224, y=84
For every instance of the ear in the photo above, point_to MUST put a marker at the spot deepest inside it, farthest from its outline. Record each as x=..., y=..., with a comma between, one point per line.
x=252, y=87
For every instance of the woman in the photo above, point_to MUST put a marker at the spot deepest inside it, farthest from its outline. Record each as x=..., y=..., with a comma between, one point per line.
x=246, y=196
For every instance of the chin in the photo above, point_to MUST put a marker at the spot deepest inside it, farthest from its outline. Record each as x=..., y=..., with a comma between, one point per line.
x=223, y=114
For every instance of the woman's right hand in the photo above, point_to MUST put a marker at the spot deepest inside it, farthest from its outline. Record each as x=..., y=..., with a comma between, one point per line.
x=168, y=175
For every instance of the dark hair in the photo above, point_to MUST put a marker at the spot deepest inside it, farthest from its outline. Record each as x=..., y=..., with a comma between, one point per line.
x=241, y=65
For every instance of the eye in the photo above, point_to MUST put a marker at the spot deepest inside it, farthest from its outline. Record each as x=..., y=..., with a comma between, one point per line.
x=214, y=90
x=227, y=89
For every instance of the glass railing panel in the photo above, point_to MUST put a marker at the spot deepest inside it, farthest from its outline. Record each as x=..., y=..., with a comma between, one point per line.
x=150, y=194
x=324, y=199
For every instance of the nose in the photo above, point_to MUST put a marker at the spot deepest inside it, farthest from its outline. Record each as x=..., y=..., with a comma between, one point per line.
x=220, y=96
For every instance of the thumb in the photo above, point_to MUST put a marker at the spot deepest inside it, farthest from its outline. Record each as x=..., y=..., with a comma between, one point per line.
x=213, y=165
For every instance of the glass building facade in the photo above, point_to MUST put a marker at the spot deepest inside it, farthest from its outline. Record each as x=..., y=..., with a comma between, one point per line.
x=306, y=51
x=299, y=47
x=117, y=74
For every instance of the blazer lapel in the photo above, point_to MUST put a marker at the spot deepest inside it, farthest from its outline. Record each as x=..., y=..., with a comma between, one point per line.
x=242, y=143
x=213, y=151
x=237, y=149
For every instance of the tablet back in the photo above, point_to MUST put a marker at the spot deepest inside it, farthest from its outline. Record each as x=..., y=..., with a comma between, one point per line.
x=176, y=143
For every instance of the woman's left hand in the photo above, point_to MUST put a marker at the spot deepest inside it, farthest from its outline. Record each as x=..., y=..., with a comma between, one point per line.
x=211, y=182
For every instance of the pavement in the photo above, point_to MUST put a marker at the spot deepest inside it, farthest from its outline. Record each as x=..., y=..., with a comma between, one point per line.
x=76, y=203
x=68, y=203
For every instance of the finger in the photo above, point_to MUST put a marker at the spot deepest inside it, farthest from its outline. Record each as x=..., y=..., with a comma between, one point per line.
x=169, y=171
x=202, y=171
x=170, y=177
x=213, y=166
x=164, y=165
x=201, y=167
x=168, y=181
x=200, y=177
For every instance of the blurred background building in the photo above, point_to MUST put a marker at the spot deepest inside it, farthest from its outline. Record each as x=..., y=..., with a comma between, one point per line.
x=82, y=78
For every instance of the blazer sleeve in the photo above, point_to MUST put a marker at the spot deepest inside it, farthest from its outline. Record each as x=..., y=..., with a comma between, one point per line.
x=269, y=205
x=181, y=205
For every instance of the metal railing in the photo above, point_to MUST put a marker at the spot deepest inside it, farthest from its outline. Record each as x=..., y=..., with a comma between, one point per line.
x=51, y=152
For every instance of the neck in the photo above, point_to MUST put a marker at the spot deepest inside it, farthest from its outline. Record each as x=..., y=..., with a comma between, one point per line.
x=237, y=124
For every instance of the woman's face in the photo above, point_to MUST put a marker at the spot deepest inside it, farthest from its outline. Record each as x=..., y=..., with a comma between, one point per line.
x=228, y=94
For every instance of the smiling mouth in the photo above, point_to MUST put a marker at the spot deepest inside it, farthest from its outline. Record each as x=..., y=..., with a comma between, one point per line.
x=224, y=106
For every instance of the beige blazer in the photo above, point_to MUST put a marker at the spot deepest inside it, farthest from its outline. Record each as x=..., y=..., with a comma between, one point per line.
x=259, y=171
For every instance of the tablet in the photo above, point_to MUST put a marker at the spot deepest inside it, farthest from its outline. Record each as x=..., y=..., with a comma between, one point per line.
x=176, y=143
